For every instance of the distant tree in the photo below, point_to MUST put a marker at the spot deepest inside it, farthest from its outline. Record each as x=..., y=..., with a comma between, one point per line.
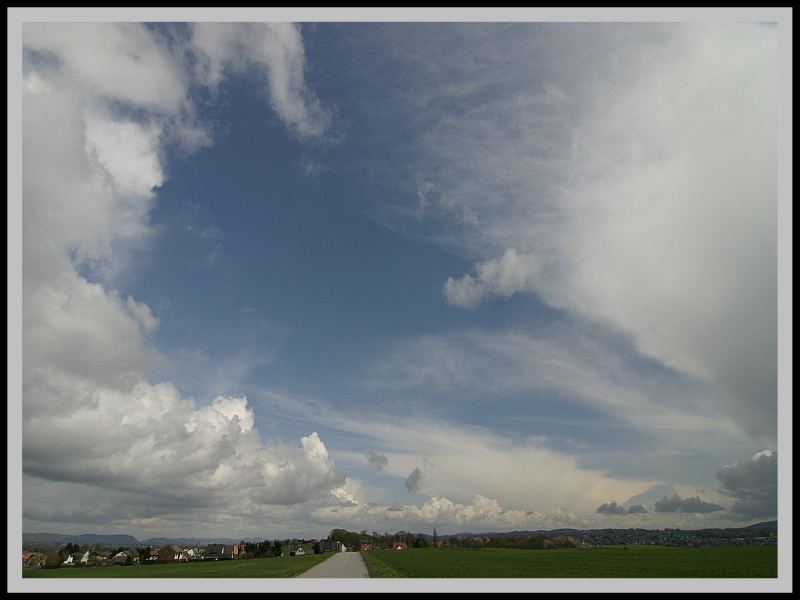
x=276, y=548
x=316, y=548
x=53, y=557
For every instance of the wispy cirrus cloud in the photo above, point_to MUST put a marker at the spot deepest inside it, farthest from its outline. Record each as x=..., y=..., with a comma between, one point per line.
x=575, y=362
x=643, y=191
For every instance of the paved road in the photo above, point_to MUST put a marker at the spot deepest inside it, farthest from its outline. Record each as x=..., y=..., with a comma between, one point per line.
x=343, y=564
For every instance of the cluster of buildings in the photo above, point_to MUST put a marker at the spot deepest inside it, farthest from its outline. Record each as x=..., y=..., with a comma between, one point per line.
x=395, y=545
x=678, y=537
x=127, y=556
x=327, y=546
x=167, y=554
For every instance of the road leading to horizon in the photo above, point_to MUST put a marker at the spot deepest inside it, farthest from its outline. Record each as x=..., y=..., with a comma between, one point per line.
x=344, y=564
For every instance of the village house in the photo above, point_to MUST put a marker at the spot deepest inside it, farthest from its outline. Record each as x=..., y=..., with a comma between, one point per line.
x=300, y=552
x=221, y=552
x=129, y=556
x=399, y=546
x=172, y=553
x=33, y=559
x=331, y=546
x=366, y=546
x=94, y=557
x=193, y=553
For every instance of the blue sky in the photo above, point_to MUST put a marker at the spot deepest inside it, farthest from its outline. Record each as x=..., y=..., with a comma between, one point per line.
x=534, y=263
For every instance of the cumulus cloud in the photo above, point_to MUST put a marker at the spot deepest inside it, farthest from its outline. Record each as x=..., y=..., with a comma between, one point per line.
x=482, y=512
x=676, y=504
x=274, y=49
x=414, y=480
x=100, y=102
x=140, y=71
x=611, y=508
x=753, y=484
x=376, y=461
x=636, y=509
x=150, y=438
x=501, y=276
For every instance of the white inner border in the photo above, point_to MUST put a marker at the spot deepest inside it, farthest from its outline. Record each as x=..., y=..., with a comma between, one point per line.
x=780, y=15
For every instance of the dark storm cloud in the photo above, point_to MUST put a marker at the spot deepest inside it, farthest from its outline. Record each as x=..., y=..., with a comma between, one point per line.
x=611, y=508
x=414, y=480
x=676, y=504
x=753, y=483
x=376, y=461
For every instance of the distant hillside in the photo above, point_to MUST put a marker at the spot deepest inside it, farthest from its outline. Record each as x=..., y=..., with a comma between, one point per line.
x=501, y=534
x=54, y=539
x=767, y=525
x=188, y=541
x=42, y=540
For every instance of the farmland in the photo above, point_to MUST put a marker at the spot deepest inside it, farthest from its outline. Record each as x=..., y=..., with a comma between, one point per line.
x=631, y=561
x=255, y=567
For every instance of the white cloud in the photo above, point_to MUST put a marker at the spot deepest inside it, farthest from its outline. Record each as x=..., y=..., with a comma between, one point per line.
x=127, y=151
x=276, y=49
x=502, y=276
x=93, y=424
x=481, y=512
x=121, y=61
x=142, y=313
x=645, y=188
x=150, y=439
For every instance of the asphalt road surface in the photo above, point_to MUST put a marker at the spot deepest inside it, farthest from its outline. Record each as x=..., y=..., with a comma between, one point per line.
x=343, y=564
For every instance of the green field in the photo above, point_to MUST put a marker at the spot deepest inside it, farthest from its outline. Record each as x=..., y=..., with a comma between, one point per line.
x=635, y=561
x=288, y=566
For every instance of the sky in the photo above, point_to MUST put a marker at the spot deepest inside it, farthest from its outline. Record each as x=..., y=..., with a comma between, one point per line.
x=281, y=278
